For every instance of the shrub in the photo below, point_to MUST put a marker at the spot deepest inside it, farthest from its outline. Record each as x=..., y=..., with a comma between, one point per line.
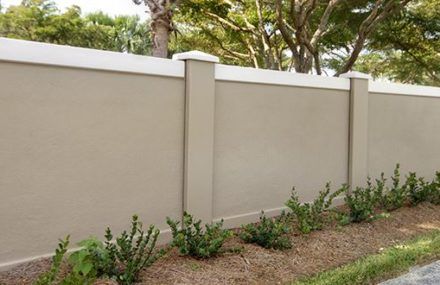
x=434, y=193
x=361, y=203
x=417, y=188
x=379, y=190
x=121, y=261
x=92, y=260
x=194, y=241
x=132, y=252
x=269, y=233
x=396, y=196
x=309, y=215
x=50, y=276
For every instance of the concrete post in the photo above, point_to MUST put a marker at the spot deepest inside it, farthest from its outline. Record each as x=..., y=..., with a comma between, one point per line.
x=358, y=130
x=199, y=133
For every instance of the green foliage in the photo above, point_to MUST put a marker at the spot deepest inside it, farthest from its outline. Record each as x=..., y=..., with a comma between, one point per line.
x=74, y=278
x=309, y=215
x=418, y=190
x=92, y=260
x=406, y=47
x=395, y=197
x=268, y=233
x=361, y=203
x=434, y=195
x=194, y=241
x=122, y=261
x=40, y=20
x=379, y=190
x=132, y=252
x=341, y=217
x=50, y=276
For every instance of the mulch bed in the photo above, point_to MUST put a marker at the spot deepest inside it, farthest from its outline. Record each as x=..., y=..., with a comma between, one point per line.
x=312, y=253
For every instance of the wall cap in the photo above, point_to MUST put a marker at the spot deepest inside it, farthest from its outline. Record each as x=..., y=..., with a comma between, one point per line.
x=275, y=77
x=12, y=50
x=196, y=55
x=356, y=74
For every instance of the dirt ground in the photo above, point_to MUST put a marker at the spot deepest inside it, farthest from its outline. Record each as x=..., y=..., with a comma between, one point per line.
x=312, y=253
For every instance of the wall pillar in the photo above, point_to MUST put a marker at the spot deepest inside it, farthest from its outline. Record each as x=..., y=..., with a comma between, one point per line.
x=199, y=133
x=358, y=130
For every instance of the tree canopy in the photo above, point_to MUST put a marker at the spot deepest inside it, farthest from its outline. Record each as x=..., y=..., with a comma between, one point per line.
x=407, y=47
x=40, y=20
x=301, y=35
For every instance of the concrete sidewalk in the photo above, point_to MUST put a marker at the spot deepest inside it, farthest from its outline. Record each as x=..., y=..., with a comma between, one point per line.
x=426, y=275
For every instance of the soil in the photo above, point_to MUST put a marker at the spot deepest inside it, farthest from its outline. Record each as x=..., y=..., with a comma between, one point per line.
x=318, y=251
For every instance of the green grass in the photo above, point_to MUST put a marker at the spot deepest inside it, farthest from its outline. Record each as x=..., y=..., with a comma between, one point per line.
x=381, y=266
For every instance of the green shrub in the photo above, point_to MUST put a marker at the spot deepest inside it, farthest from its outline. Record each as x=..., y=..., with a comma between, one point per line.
x=309, y=215
x=132, y=252
x=121, y=261
x=361, y=203
x=434, y=193
x=50, y=276
x=379, y=190
x=269, y=233
x=91, y=260
x=194, y=241
x=395, y=197
x=417, y=189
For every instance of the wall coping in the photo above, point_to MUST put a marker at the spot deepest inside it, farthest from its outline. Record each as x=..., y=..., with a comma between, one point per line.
x=356, y=74
x=196, y=55
x=20, y=51
x=12, y=50
x=403, y=89
x=274, y=77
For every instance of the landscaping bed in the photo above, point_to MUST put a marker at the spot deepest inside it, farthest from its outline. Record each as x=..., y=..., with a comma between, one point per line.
x=320, y=250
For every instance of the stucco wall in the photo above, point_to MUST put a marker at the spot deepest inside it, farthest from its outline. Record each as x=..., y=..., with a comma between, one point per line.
x=83, y=149
x=403, y=129
x=269, y=138
x=88, y=138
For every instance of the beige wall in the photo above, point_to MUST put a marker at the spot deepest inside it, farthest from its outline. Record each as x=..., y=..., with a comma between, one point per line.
x=269, y=138
x=404, y=129
x=83, y=149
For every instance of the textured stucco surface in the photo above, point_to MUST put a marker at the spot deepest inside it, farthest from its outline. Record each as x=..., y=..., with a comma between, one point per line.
x=83, y=149
x=269, y=138
x=406, y=130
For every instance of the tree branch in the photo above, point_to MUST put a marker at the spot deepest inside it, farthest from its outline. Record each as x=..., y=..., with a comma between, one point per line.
x=367, y=26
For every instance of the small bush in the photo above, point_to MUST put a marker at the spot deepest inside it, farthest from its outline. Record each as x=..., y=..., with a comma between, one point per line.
x=132, y=252
x=309, y=215
x=92, y=260
x=269, y=233
x=379, y=190
x=434, y=193
x=361, y=203
x=417, y=188
x=395, y=197
x=194, y=241
x=50, y=276
x=121, y=261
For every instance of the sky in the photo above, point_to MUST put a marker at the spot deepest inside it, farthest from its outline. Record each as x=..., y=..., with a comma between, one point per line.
x=111, y=7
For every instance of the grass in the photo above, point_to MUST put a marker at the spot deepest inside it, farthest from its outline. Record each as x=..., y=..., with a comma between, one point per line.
x=381, y=266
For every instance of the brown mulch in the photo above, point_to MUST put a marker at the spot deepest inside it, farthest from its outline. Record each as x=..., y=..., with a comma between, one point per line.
x=312, y=253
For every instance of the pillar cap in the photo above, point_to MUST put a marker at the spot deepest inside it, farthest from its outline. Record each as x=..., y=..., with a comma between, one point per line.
x=196, y=55
x=356, y=74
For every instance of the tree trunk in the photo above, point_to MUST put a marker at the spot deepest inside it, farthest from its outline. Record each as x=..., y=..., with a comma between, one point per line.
x=161, y=34
x=161, y=12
